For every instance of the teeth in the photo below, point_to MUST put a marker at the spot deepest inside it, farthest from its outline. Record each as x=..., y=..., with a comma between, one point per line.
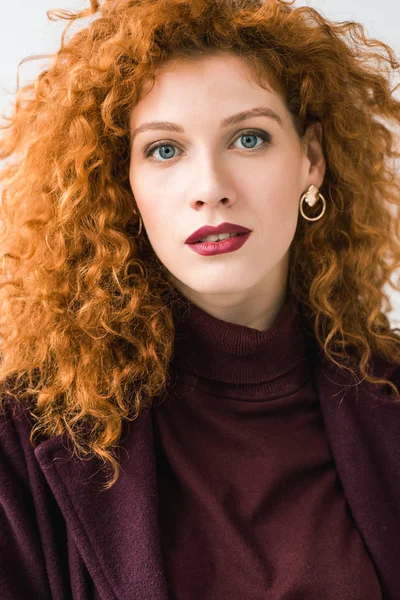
x=216, y=238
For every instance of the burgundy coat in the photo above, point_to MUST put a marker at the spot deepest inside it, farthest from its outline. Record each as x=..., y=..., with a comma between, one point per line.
x=61, y=539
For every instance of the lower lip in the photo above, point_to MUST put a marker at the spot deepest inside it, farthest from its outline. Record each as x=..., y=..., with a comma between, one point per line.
x=228, y=245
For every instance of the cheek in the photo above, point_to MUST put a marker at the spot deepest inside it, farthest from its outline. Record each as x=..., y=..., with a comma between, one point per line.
x=156, y=215
x=281, y=176
x=155, y=221
x=278, y=211
x=281, y=194
x=146, y=201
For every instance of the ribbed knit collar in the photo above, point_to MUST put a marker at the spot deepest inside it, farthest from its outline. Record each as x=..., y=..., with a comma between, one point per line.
x=239, y=360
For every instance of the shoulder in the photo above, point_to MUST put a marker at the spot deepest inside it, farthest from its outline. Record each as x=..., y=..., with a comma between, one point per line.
x=16, y=450
x=26, y=521
x=385, y=369
x=379, y=367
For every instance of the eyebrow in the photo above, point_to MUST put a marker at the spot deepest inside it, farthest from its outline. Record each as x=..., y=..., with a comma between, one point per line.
x=259, y=111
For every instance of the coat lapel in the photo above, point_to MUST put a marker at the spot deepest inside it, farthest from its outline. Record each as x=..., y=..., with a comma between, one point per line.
x=117, y=531
x=363, y=429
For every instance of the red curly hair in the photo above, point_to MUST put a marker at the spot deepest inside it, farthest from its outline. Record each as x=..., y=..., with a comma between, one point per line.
x=87, y=309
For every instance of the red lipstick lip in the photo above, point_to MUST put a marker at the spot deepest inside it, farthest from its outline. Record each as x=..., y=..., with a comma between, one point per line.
x=209, y=230
x=229, y=245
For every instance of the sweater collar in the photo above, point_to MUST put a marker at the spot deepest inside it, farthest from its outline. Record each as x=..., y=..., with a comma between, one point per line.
x=230, y=355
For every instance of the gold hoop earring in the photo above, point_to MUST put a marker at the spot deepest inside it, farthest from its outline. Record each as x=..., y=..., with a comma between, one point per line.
x=310, y=196
x=140, y=225
x=140, y=222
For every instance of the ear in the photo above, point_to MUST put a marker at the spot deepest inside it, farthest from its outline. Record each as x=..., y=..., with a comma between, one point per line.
x=316, y=165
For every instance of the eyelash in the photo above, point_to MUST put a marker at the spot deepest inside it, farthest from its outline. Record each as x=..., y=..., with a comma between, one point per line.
x=266, y=137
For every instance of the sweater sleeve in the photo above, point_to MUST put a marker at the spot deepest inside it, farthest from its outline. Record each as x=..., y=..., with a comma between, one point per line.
x=22, y=565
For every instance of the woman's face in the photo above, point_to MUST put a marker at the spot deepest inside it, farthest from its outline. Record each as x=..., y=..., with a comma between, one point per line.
x=251, y=173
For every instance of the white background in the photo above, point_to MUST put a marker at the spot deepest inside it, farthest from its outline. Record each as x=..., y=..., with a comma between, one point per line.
x=26, y=30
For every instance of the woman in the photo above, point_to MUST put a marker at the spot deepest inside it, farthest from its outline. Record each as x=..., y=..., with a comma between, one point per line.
x=249, y=384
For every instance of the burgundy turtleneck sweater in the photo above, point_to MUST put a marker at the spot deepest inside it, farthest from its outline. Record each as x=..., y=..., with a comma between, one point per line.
x=251, y=506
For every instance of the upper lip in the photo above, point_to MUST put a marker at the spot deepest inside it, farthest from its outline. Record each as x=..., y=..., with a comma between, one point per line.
x=209, y=230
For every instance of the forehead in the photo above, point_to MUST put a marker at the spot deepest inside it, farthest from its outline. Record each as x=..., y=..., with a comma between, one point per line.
x=217, y=86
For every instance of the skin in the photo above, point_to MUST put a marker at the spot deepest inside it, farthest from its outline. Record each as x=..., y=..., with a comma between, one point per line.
x=209, y=175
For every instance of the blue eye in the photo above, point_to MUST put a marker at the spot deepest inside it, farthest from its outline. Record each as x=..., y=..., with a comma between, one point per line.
x=266, y=137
